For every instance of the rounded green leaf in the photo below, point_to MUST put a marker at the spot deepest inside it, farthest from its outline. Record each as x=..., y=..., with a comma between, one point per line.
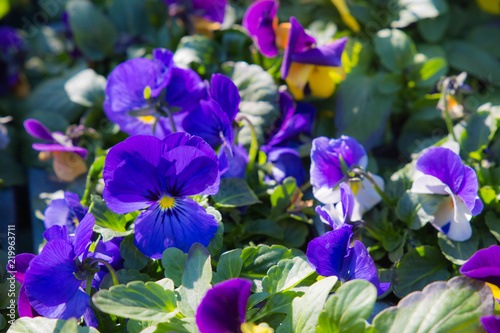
x=458, y=252
x=395, y=49
x=46, y=325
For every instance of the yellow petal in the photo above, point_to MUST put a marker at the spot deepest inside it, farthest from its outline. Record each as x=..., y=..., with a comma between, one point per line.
x=297, y=78
x=251, y=328
x=489, y=6
x=495, y=290
x=282, y=34
x=322, y=81
x=68, y=165
x=346, y=16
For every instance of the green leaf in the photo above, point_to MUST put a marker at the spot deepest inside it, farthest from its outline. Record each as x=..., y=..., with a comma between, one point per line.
x=433, y=29
x=199, y=53
x=105, y=217
x=173, y=261
x=486, y=37
x=215, y=244
x=493, y=222
x=184, y=325
x=418, y=268
x=259, y=99
x=93, y=32
x=416, y=209
x=93, y=176
x=395, y=49
x=458, y=252
x=280, y=302
x=464, y=56
x=137, y=300
x=306, y=309
x=136, y=17
x=4, y=7
x=360, y=104
x=286, y=274
x=479, y=130
x=453, y=306
x=86, y=88
x=134, y=259
x=229, y=266
x=411, y=11
x=347, y=309
x=234, y=192
x=283, y=196
x=428, y=73
x=258, y=259
x=46, y=325
x=195, y=280
x=124, y=276
x=263, y=227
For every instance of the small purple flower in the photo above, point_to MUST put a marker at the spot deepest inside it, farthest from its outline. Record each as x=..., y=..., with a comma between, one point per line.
x=261, y=21
x=144, y=172
x=301, y=48
x=211, y=10
x=67, y=211
x=327, y=174
x=491, y=324
x=68, y=162
x=340, y=213
x=331, y=254
x=12, y=48
x=286, y=162
x=223, y=308
x=136, y=99
x=55, y=277
x=441, y=171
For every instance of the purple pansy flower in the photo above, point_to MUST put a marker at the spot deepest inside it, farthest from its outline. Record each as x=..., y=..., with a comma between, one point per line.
x=68, y=162
x=340, y=213
x=441, y=171
x=11, y=57
x=67, y=211
x=134, y=98
x=301, y=48
x=286, y=162
x=261, y=21
x=144, y=172
x=212, y=119
x=331, y=254
x=212, y=10
x=17, y=268
x=484, y=265
x=326, y=173
x=54, y=279
x=237, y=162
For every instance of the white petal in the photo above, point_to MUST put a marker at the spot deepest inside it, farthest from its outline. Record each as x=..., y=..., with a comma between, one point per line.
x=428, y=184
x=327, y=195
x=335, y=212
x=452, y=145
x=454, y=217
x=366, y=197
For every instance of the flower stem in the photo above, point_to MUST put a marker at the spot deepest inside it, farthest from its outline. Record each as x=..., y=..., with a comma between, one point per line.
x=254, y=144
x=169, y=114
x=110, y=269
x=447, y=118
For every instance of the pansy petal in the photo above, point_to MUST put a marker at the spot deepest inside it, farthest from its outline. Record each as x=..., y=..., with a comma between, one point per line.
x=322, y=82
x=478, y=207
x=212, y=10
x=346, y=201
x=181, y=226
x=57, y=213
x=260, y=20
x=468, y=190
x=331, y=214
x=325, y=167
x=223, y=308
x=443, y=164
x=484, y=265
x=428, y=184
x=359, y=265
x=194, y=171
x=83, y=233
x=225, y=92
x=82, y=152
x=37, y=129
x=366, y=197
x=460, y=229
x=237, y=163
x=325, y=55
x=326, y=253
x=56, y=232
x=19, y=265
x=164, y=62
x=50, y=284
x=24, y=306
x=73, y=202
x=287, y=163
x=185, y=89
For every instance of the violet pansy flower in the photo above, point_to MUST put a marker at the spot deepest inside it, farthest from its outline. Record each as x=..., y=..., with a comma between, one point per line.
x=261, y=21
x=54, y=279
x=441, y=171
x=136, y=99
x=223, y=309
x=66, y=211
x=286, y=162
x=331, y=254
x=485, y=266
x=327, y=156
x=144, y=172
x=336, y=215
x=12, y=48
x=211, y=10
x=68, y=159
x=18, y=268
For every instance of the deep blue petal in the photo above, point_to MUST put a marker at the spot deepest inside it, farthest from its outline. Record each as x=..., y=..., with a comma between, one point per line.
x=225, y=92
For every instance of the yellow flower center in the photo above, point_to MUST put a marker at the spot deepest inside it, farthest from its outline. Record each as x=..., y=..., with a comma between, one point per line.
x=251, y=328
x=167, y=202
x=147, y=92
x=148, y=119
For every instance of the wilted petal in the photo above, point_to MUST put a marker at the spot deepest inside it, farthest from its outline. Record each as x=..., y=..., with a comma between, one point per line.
x=484, y=265
x=181, y=226
x=224, y=306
